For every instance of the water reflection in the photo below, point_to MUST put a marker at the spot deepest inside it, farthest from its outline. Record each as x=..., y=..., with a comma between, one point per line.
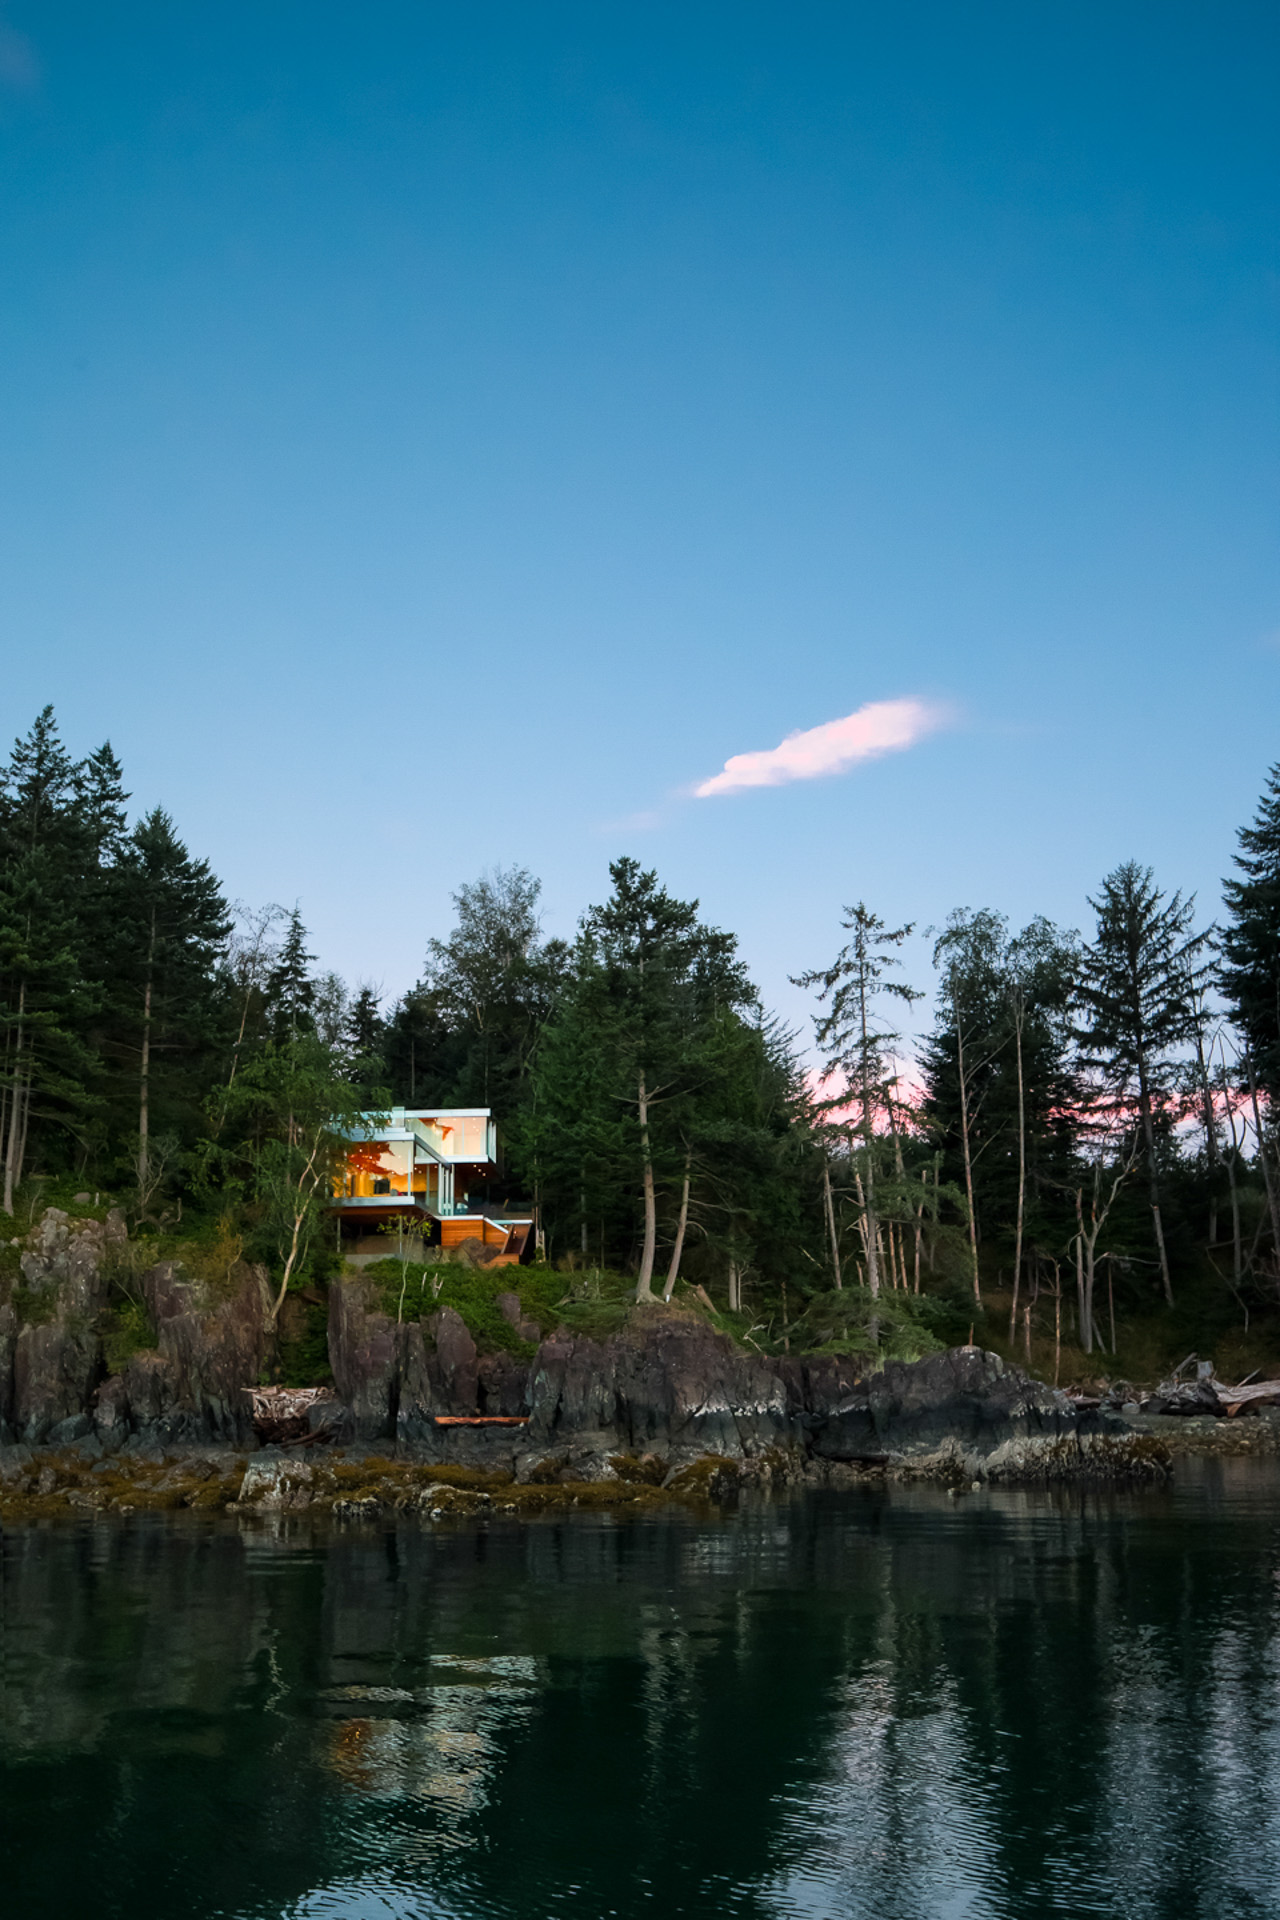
x=890, y=1704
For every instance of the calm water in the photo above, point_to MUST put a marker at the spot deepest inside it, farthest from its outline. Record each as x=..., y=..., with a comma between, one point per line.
x=889, y=1704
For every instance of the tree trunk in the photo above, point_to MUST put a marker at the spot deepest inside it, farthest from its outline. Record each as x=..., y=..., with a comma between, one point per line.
x=968, y=1159
x=831, y=1223
x=1266, y=1163
x=1022, y=1178
x=1237, y=1262
x=1210, y=1123
x=873, y=1233
x=144, y=1074
x=644, y=1284
x=17, y=1127
x=1153, y=1179
x=1084, y=1323
x=673, y=1271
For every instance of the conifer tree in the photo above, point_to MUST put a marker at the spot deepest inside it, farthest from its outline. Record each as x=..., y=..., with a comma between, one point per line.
x=291, y=991
x=45, y=1061
x=491, y=984
x=424, y=1060
x=623, y=1050
x=1251, y=939
x=102, y=804
x=857, y=1050
x=170, y=929
x=1137, y=996
x=363, y=1039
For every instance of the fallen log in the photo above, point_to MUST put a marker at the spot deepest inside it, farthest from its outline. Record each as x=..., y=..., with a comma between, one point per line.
x=1261, y=1394
x=481, y=1420
x=281, y=1415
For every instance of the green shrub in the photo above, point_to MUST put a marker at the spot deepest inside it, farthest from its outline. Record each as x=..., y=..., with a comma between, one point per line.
x=126, y=1329
x=35, y=1309
x=412, y=1290
x=594, y=1304
x=303, y=1344
x=894, y=1326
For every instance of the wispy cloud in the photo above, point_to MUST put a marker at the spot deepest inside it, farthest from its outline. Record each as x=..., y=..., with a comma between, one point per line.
x=883, y=726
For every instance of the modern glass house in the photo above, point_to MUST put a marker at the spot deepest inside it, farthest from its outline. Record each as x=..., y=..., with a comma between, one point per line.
x=414, y=1168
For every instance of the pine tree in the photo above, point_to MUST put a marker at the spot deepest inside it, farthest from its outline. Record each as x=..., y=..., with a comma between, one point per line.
x=363, y=1039
x=102, y=803
x=1137, y=993
x=171, y=924
x=491, y=984
x=45, y=1063
x=40, y=791
x=621, y=1053
x=1251, y=939
x=291, y=990
x=857, y=1053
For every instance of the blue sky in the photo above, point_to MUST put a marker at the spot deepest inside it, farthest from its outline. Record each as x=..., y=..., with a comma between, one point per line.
x=435, y=436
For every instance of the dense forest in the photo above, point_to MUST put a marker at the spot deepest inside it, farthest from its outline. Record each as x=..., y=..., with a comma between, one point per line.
x=1081, y=1156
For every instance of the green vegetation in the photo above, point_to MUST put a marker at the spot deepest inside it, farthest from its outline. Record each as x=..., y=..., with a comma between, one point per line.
x=411, y=1290
x=126, y=1330
x=1081, y=1165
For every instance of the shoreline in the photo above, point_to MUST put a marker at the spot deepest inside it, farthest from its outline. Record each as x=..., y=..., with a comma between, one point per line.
x=371, y=1485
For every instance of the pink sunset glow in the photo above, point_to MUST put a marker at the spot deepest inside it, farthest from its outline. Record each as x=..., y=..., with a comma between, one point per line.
x=883, y=726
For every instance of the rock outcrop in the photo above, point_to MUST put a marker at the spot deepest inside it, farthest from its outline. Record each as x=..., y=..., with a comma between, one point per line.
x=54, y=1382
x=667, y=1390
x=208, y=1349
x=670, y=1386
x=51, y=1359
x=965, y=1411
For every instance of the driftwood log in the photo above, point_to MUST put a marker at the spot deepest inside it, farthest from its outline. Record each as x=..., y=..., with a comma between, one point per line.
x=1205, y=1393
x=281, y=1415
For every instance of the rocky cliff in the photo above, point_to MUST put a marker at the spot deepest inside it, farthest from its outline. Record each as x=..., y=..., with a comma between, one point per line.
x=667, y=1388
x=671, y=1387
x=56, y=1323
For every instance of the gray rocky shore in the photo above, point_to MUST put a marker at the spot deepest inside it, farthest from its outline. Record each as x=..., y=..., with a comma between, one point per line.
x=667, y=1391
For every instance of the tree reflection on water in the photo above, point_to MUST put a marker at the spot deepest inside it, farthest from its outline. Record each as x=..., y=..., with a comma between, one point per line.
x=883, y=1703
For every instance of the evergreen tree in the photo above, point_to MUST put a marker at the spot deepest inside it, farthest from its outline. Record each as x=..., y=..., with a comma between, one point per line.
x=48, y=1067
x=858, y=1055
x=741, y=1121
x=425, y=1062
x=491, y=984
x=40, y=795
x=998, y=1086
x=363, y=1039
x=1251, y=939
x=102, y=804
x=290, y=989
x=1137, y=994
x=163, y=995
x=45, y=1062
x=623, y=1049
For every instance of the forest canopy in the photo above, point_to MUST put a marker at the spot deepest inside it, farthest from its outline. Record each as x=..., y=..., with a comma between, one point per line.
x=1087, y=1128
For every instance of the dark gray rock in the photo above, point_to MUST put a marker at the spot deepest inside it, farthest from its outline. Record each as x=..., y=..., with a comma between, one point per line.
x=508, y=1305
x=208, y=1349
x=366, y=1352
x=666, y=1383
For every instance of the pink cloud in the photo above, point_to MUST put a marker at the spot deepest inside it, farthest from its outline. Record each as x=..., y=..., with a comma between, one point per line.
x=883, y=726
